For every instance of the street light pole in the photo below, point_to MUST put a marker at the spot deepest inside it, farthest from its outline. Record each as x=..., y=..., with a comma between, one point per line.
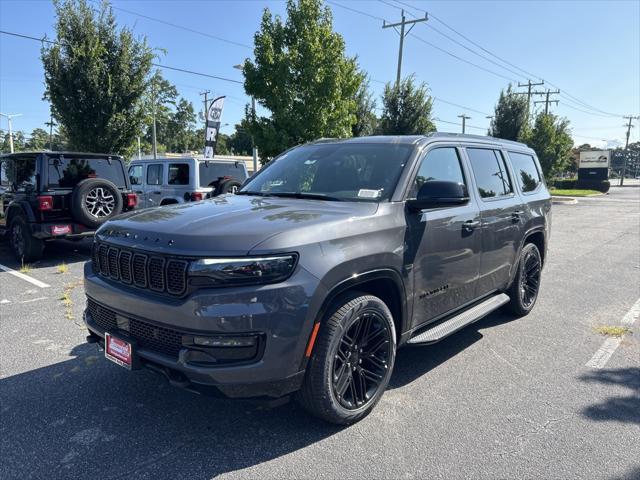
x=9, y=118
x=254, y=148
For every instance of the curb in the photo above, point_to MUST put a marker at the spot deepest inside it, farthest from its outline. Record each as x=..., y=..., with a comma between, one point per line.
x=563, y=200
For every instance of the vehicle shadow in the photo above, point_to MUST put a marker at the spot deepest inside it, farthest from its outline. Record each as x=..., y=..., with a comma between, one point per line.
x=624, y=409
x=55, y=252
x=414, y=362
x=88, y=418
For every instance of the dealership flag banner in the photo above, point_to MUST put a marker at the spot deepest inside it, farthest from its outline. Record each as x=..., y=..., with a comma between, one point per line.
x=214, y=114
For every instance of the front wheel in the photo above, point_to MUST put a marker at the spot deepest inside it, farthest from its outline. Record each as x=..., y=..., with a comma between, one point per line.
x=523, y=292
x=352, y=360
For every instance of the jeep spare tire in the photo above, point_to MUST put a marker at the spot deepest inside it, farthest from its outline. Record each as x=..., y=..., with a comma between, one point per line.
x=94, y=201
x=231, y=185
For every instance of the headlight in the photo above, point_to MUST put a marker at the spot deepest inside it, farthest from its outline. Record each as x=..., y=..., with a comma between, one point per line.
x=242, y=271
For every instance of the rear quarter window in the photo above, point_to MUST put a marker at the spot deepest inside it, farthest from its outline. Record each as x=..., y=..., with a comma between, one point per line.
x=525, y=171
x=68, y=172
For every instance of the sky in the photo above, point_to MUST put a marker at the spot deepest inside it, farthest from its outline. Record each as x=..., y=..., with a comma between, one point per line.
x=590, y=50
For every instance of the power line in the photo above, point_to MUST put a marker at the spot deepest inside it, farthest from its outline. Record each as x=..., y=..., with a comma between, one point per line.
x=198, y=32
x=458, y=105
x=159, y=65
x=565, y=93
x=426, y=42
x=449, y=37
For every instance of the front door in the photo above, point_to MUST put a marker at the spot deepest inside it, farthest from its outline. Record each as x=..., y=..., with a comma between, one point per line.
x=445, y=242
x=153, y=185
x=501, y=212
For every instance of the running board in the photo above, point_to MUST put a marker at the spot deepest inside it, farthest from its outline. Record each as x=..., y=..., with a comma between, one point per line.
x=446, y=328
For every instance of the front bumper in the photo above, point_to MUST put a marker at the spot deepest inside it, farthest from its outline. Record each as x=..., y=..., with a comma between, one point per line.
x=279, y=314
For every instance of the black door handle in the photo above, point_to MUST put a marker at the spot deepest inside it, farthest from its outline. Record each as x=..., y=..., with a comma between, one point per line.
x=139, y=191
x=157, y=192
x=470, y=225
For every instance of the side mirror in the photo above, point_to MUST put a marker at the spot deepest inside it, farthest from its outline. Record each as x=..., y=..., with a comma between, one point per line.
x=133, y=180
x=436, y=194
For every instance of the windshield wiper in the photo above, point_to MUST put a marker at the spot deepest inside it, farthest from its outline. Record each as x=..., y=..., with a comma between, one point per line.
x=254, y=193
x=312, y=196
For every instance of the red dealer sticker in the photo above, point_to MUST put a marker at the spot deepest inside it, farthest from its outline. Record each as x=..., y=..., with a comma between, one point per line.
x=60, y=229
x=118, y=351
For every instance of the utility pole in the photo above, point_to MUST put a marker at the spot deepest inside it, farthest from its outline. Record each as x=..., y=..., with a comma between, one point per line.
x=254, y=148
x=50, y=124
x=546, y=101
x=206, y=103
x=626, y=146
x=529, y=92
x=9, y=118
x=403, y=34
x=153, y=101
x=464, y=118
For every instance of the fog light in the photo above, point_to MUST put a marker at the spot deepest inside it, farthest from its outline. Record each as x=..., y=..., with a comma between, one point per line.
x=225, y=341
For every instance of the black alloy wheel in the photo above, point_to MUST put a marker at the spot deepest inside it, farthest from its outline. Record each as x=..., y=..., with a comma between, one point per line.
x=351, y=361
x=361, y=360
x=530, y=279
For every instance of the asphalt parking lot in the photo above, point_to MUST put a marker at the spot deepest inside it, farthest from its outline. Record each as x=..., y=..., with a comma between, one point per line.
x=503, y=398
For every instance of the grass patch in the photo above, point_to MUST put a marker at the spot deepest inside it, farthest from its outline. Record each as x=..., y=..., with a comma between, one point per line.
x=574, y=192
x=609, y=331
x=63, y=268
x=25, y=268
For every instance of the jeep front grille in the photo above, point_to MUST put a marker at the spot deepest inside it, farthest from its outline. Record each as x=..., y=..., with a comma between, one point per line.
x=161, y=274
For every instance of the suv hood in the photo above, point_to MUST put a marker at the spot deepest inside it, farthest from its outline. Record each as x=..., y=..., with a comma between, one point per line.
x=225, y=225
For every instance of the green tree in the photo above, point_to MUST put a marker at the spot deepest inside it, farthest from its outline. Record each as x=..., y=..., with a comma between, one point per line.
x=406, y=109
x=39, y=140
x=18, y=142
x=302, y=76
x=551, y=139
x=163, y=94
x=180, y=127
x=95, y=77
x=240, y=141
x=366, y=120
x=510, y=116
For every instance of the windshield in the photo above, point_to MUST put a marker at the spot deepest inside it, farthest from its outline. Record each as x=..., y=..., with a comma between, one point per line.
x=68, y=172
x=340, y=171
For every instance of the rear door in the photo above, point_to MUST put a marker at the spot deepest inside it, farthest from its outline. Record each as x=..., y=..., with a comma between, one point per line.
x=153, y=186
x=501, y=213
x=446, y=241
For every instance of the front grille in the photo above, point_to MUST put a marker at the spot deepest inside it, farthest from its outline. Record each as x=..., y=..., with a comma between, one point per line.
x=160, y=274
x=151, y=337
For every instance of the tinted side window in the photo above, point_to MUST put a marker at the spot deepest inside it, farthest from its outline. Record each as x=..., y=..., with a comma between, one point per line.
x=178, y=174
x=21, y=173
x=525, y=171
x=440, y=164
x=490, y=172
x=135, y=174
x=154, y=175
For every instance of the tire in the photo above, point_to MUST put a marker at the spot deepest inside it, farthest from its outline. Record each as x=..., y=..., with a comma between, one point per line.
x=227, y=186
x=324, y=393
x=25, y=246
x=94, y=201
x=525, y=287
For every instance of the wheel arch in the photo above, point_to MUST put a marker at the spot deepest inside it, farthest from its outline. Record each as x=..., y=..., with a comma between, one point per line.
x=386, y=284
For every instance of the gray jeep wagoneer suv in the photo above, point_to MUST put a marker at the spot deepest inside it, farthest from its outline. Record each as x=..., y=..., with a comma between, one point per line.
x=323, y=264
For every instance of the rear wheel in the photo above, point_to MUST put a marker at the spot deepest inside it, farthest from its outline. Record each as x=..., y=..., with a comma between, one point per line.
x=94, y=201
x=25, y=246
x=230, y=185
x=526, y=284
x=352, y=360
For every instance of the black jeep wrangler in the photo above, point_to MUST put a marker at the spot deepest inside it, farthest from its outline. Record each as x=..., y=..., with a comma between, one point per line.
x=49, y=195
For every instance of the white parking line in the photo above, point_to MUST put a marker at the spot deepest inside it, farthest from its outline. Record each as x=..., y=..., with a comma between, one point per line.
x=24, y=277
x=604, y=353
